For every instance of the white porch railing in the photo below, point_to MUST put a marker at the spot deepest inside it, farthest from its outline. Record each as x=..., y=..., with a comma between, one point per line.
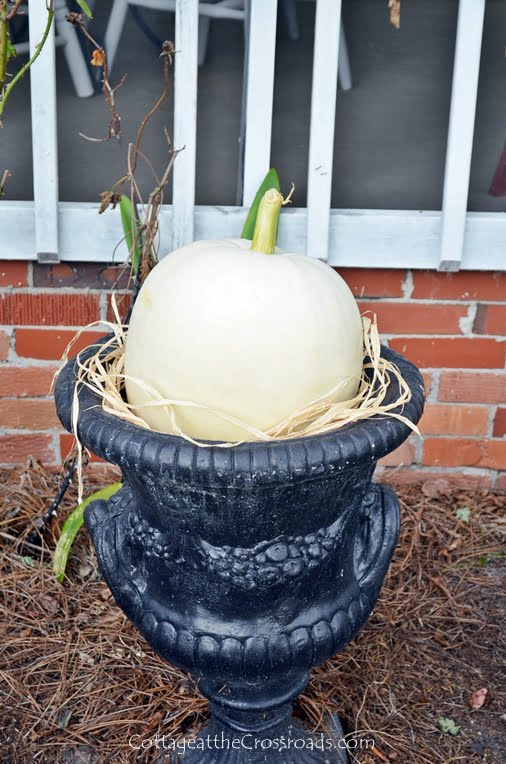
x=448, y=239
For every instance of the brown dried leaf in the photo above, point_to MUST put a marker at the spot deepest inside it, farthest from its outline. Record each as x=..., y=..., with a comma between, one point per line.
x=49, y=603
x=395, y=13
x=478, y=698
x=98, y=57
x=433, y=488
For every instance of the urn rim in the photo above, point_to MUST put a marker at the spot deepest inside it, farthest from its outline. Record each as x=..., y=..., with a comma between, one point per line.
x=130, y=446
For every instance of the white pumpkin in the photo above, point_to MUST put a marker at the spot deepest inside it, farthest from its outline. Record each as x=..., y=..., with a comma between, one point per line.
x=252, y=335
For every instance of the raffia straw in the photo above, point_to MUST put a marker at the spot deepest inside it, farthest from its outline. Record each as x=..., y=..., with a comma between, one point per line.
x=103, y=373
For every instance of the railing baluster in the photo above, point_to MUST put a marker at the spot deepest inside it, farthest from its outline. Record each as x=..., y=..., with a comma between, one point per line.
x=185, y=120
x=44, y=137
x=260, y=88
x=321, y=140
x=459, y=148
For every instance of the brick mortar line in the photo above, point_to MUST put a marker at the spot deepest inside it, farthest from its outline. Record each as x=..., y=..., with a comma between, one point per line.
x=432, y=301
x=462, y=436
x=428, y=301
x=461, y=404
x=467, y=322
x=408, y=285
x=46, y=397
x=103, y=306
x=476, y=471
x=442, y=471
x=80, y=290
x=399, y=300
x=12, y=398
x=436, y=380
x=23, y=362
x=53, y=431
x=436, y=371
x=409, y=335
x=57, y=447
x=417, y=442
x=491, y=419
x=60, y=327
x=383, y=335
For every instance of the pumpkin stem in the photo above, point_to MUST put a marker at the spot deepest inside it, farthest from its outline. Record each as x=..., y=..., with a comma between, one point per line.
x=266, y=226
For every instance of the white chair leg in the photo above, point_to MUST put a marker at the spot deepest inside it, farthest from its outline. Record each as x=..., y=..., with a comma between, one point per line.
x=73, y=52
x=114, y=30
x=344, y=69
x=204, y=25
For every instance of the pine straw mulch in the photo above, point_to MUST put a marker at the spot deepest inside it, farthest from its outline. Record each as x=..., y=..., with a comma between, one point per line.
x=76, y=681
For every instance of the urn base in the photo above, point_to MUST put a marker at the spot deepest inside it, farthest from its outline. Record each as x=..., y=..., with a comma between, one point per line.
x=254, y=725
x=287, y=741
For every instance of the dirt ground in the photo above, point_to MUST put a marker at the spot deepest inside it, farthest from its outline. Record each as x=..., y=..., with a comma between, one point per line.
x=77, y=681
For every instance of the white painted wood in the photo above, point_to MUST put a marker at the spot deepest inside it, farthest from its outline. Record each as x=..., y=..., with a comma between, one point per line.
x=344, y=66
x=259, y=95
x=321, y=141
x=66, y=35
x=44, y=137
x=185, y=120
x=114, y=30
x=72, y=50
x=358, y=238
x=223, y=9
x=460, y=131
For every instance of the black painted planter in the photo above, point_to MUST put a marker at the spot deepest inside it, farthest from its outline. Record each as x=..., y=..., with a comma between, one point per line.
x=247, y=565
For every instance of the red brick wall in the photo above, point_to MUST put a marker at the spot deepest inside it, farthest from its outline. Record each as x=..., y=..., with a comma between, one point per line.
x=453, y=326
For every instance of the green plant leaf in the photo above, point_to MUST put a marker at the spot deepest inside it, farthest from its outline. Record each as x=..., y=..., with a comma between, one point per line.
x=271, y=180
x=11, y=50
x=71, y=526
x=485, y=559
x=464, y=514
x=448, y=726
x=26, y=559
x=130, y=223
x=83, y=5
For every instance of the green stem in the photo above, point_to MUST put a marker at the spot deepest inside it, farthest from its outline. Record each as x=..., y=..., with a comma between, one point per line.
x=271, y=180
x=4, y=24
x=71, y=526
x=29, y=63
x=264, y=237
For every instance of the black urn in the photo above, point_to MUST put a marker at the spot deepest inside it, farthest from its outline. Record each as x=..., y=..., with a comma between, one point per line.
x=246, y=565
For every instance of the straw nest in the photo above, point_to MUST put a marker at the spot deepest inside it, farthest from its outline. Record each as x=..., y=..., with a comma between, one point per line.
x=103, y=373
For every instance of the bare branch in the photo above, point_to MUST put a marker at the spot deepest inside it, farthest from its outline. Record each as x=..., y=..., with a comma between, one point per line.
x=5, y=177
x=14, y=10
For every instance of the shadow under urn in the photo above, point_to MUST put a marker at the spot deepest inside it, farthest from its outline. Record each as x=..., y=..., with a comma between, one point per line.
x=246, y=565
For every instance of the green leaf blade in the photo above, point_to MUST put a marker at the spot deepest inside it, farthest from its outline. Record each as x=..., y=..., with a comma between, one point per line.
x=130, y=224
x=271, y=180
x=71, y=527
x=83, y=5
x=11, y=50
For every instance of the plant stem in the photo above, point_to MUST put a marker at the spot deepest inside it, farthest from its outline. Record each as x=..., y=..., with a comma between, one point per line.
x=25, y=68
x=4, y=24
x=264, y=237
x=71, y=526
x=271, y=180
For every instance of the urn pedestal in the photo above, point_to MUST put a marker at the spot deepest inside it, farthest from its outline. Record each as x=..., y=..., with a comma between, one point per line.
x=246, y=565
